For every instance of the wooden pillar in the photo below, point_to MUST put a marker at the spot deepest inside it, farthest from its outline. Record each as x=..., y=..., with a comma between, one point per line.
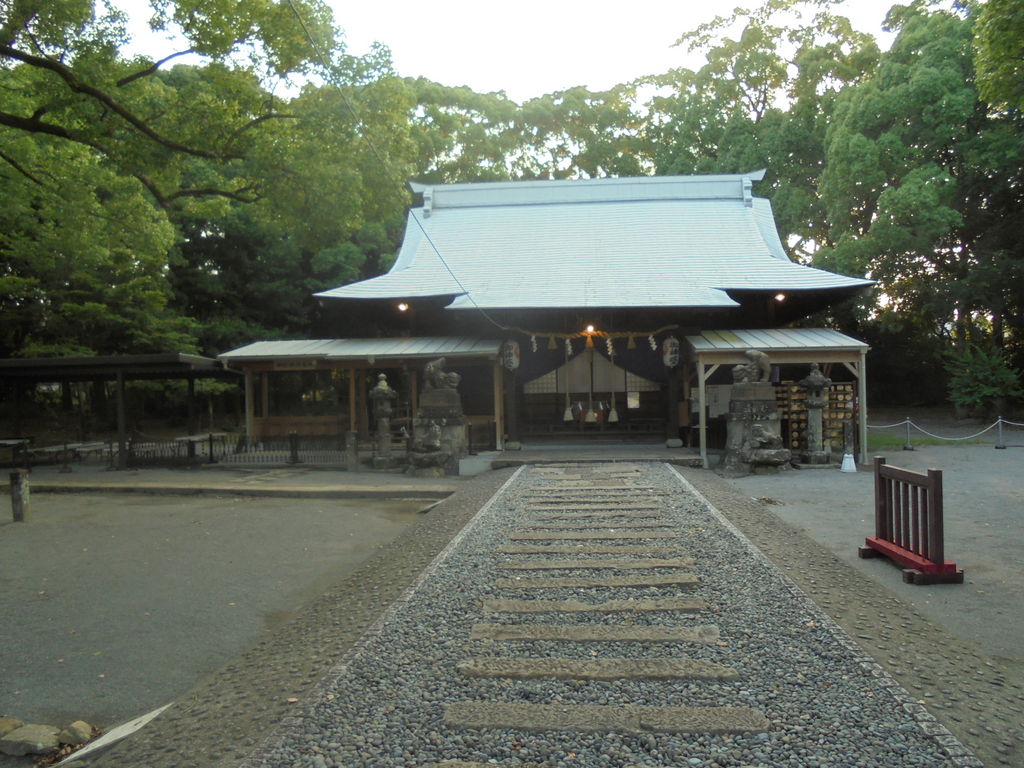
x=351, y=399
x=17, y=409
x=122, y=424
x=414, y=392
x=499, y=408
x=510, y=383
x=192, y=428
x=19, y=495
x=265, y=394
x=673, y=404
x=250, y=409
x=364, y=417
x=862, y=410
x=702, y=404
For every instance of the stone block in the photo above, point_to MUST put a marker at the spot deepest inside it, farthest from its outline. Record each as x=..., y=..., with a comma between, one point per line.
x=30, y=740
x=76, y=734
x=8, y=724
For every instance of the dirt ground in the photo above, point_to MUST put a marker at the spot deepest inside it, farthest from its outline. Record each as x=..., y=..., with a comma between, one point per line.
x=984, y=526
x=116, y=604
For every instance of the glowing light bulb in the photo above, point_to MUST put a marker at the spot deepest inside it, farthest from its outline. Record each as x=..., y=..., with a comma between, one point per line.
x=403, y=307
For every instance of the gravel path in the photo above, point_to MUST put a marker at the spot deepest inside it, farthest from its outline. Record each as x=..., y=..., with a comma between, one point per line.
x=804, y=695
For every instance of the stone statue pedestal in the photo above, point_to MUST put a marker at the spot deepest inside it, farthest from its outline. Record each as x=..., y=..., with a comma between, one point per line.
x=439, y=431
x=753, y=444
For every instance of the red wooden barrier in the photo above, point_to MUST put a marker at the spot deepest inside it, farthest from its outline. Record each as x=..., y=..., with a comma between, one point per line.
x=908, y=524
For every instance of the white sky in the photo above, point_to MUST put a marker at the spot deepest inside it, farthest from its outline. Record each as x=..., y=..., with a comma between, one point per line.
x=531, y=47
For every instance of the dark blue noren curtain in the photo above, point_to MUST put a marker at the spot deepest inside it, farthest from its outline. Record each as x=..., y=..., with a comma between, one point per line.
x=641, y=361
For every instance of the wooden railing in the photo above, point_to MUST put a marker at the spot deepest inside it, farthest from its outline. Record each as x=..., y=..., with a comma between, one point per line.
x=909, y=525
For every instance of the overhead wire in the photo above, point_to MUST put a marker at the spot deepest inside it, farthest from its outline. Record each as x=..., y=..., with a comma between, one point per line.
x=386, y=164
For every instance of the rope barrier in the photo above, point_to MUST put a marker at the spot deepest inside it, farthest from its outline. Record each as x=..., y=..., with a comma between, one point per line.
x=889, y=426
x=999, y=422
x=941, y=437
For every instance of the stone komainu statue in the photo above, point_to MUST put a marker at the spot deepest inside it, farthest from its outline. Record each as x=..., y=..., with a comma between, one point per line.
x=757, y=369
x=437, y=378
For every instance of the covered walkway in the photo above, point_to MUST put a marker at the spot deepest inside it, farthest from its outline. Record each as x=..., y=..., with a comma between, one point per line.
x=20, y=373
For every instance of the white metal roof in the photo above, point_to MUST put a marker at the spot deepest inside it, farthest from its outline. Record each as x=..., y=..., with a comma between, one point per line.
x=658, y=241
x=775, y=340
x=360, y=349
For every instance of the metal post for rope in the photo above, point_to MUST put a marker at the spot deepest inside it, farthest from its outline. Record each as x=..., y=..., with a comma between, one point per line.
x=909, y=446
x=1000, y=443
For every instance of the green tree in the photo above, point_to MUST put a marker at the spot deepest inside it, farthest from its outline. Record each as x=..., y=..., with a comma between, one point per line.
x=578, y=133
x=999, y=52
x=922, y=184
x=72, y=83
x=236, y=204
x=763, y=99
x=82, y=257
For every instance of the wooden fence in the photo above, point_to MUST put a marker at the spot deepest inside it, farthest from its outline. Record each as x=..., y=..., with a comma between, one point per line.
x=908, y=524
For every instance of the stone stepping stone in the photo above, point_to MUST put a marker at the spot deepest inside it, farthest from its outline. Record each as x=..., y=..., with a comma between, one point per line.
x=582, y=489
x=594, y=633
x=643, y=514
x=597, y=508
x=622, y=565
x=623, y=533
x=570, y=525
x=583, y=549
x=681, y=580
x=682, y=604
x=603, y=718
x=590, y=506
x=584, y=493
x=596, y=669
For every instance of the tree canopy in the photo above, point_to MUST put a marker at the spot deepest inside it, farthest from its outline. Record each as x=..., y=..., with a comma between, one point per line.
x=196, y=199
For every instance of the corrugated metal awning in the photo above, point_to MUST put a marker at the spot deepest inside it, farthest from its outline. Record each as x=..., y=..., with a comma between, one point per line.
x=363, y=349
x=775, y=340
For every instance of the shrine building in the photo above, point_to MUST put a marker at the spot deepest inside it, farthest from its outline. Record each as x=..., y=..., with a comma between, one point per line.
x=573, y=309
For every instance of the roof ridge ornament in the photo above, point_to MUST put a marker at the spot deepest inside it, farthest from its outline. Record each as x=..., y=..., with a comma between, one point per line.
x=748, y=195
x=428, y=201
